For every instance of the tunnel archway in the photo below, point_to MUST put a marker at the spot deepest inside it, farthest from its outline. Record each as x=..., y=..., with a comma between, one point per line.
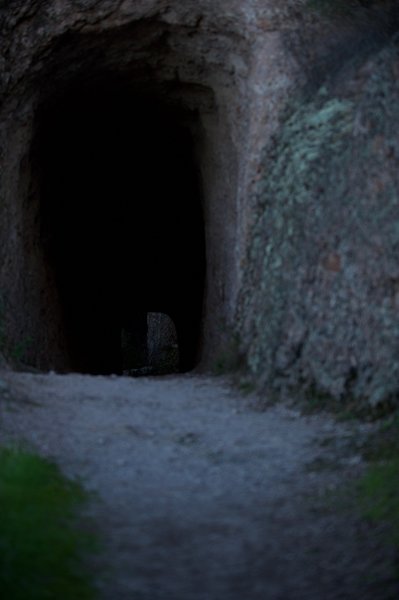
x=121, y=221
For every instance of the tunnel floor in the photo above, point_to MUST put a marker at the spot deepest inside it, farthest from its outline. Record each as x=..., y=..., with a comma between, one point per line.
x=122, y=224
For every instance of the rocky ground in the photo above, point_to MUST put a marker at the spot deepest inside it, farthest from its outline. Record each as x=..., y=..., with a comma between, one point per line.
x=199, y=495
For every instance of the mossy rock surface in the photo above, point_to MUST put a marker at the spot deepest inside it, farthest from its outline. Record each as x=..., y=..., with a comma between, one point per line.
x=323, y=262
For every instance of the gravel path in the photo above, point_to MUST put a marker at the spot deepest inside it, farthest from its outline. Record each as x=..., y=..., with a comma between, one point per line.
x=199, y=495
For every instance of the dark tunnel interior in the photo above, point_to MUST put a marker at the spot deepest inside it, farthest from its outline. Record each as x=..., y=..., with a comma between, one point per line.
x=121, y=224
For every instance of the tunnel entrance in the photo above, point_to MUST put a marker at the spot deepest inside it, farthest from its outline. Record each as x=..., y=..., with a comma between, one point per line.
x=122, y=223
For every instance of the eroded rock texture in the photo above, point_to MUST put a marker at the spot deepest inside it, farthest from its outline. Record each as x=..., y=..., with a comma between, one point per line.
x=231, y=164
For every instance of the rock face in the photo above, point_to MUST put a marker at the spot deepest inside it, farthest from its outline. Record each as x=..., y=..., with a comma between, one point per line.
x=230, y=164
x=324, y=245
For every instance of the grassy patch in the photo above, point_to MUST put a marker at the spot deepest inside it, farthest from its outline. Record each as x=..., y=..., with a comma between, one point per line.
x=378, y=489
x=41, y=544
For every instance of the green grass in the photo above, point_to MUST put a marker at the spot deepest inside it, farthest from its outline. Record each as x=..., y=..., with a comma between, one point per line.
x=378, y=489
x=41, y=544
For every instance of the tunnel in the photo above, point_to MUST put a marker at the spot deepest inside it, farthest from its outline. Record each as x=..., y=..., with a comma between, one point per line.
x=121, y=222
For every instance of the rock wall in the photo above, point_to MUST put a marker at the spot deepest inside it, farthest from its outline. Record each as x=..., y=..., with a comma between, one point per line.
x=323, y=257
x=292, y=110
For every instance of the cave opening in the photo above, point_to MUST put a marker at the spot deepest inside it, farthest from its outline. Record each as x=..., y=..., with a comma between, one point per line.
x=121, y=224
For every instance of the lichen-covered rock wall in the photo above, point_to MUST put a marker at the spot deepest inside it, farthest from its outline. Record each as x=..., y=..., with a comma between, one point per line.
x=323, y=261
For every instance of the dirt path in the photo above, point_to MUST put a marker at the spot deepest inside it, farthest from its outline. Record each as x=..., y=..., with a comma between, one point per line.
x=201, y=497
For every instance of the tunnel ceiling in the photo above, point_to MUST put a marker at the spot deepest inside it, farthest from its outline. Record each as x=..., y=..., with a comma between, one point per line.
x=150, y=57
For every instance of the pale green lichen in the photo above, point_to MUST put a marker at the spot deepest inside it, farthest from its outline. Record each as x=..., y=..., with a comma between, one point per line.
x=320, y=288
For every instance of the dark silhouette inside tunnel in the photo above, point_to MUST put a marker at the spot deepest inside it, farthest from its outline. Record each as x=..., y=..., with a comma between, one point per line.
x=121, y=224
